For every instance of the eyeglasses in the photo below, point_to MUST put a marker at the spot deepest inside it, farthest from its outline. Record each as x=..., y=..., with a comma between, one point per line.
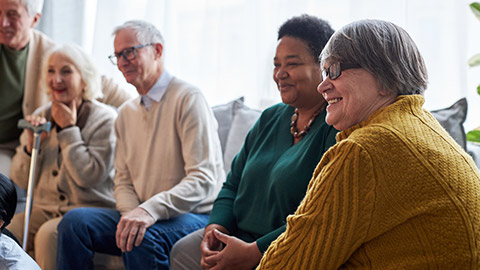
x=128, y=54
x=335, y=70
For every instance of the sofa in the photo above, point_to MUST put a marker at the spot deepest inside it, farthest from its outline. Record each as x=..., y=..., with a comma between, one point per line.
x=235, y=120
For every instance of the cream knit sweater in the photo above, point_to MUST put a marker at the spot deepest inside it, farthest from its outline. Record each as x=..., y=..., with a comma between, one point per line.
x=168, y=160
x=395, y=192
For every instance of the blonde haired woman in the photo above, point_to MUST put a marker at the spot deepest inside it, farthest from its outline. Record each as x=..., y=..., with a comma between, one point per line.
x=75, y=163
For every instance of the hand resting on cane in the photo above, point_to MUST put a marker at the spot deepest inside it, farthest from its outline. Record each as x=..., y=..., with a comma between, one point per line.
x=36, y=121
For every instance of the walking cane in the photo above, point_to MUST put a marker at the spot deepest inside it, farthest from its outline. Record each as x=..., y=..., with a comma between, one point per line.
x=37, y=130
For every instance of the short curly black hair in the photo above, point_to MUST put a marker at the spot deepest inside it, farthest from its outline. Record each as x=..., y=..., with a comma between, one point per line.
x=312, y=30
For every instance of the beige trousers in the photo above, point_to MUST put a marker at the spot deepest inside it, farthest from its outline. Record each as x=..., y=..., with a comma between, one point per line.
x=42, y=236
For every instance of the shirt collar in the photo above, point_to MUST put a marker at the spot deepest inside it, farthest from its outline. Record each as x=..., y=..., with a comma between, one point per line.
x=158, y=89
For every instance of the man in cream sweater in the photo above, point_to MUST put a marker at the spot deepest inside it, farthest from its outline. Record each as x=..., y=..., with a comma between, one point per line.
x=168, y=164
x=21, y=54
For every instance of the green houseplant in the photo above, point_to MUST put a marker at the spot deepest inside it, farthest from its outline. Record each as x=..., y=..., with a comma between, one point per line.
x=474, y=135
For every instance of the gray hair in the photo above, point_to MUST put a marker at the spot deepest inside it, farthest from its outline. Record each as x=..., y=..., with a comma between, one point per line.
x=382, y=48
x=83, y=62
x=33, y=6
x=145, y=31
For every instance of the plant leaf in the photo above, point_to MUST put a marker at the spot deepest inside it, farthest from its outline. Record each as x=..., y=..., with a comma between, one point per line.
x=474, y=60
x=478, y=89
x=475, y=7
x=473, y=136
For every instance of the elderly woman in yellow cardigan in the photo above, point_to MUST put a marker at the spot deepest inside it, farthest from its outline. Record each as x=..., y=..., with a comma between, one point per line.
x=396, y=191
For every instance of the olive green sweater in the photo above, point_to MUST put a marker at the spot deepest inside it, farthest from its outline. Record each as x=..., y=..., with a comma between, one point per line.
x=395, y=192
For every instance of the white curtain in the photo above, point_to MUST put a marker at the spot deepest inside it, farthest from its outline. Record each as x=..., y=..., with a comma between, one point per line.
x=226, y=47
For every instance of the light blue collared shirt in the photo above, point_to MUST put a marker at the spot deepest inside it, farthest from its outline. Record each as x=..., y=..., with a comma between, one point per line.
x=157, y=91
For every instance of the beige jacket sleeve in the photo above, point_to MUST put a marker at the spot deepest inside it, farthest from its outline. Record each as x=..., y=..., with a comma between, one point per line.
x=113, y=94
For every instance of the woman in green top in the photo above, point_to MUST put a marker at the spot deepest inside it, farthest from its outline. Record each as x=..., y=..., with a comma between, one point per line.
x=270, y=174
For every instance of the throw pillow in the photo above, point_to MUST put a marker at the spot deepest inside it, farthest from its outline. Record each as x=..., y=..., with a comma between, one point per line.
x=224, y=115
x=243, y=120
x=452, y=119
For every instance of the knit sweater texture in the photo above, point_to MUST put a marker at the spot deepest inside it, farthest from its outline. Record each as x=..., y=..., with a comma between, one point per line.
x=395, y=192
x=269, y=176
x=168, y=159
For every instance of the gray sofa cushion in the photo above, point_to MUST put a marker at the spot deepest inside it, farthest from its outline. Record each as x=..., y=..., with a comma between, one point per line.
x=224, y=115
x=234, y=121
x=243, y=120
x=452, y=119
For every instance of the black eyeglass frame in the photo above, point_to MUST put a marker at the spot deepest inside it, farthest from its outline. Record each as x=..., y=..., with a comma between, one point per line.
x=335, y=70
x=114, y=57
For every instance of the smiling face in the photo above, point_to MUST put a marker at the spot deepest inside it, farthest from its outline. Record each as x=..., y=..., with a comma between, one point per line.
x=353, y=97
x=143, y=71
x=64, y=80
x=15, y=24
x=296, y=73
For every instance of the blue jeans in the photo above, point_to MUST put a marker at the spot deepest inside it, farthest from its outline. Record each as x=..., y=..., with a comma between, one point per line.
x=84, y=231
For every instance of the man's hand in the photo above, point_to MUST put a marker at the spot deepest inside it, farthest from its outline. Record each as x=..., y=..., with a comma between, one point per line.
x=132, y=227
x=237, y=254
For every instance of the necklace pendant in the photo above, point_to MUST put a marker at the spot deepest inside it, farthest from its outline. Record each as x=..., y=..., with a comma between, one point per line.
x=294, y=116
x=293, y=131
x=293, y=124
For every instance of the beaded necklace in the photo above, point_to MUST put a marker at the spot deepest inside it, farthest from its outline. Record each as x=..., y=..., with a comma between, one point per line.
x=293, y=124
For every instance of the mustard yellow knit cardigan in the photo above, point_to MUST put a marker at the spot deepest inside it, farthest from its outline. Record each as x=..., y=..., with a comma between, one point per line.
x=395, y=192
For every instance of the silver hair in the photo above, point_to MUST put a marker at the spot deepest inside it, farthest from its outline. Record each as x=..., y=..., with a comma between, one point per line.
x=145, y=31
x=83, y=62
x=33, y=6
x=382, y=48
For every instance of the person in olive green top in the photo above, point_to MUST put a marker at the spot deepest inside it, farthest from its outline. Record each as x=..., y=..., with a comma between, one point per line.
x=22, y=50
x=12, y=72
x=270, y=174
